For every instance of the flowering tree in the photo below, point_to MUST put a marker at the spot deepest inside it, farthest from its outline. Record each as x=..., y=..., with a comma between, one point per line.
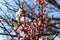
x=38, y=27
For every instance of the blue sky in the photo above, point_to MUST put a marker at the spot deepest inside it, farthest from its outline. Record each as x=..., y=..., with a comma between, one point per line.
x=56, y=14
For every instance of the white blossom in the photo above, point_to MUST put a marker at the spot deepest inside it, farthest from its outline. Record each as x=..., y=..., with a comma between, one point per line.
x=22, y=19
